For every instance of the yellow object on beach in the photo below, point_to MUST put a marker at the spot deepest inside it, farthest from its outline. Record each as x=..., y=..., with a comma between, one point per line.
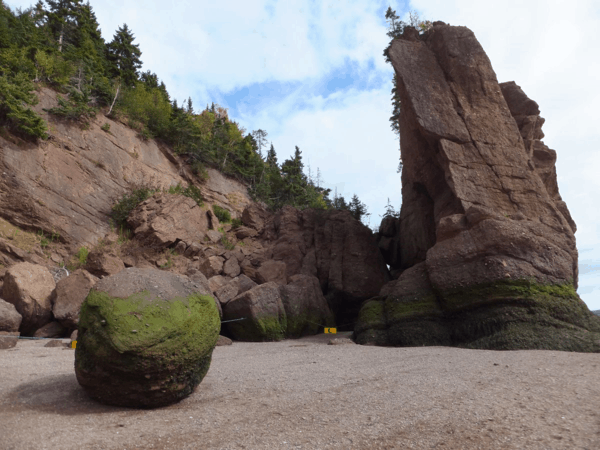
x=74, y=344
x=330, y=330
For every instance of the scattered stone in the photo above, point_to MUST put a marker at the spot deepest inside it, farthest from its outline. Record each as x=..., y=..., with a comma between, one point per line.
x=223, y=341
x=227, y=292
x=29, y=288
x=244, y=232
x=212, y=266
x=8, y=339
x=272, y=271
x=214, y=283
x=68, y=296
x=194, y=250
x=56, y=343
x=10, y=319
x=244, y=283
x=177, y=328
x=231, y=268
x=103, y=262
x=51, y=330
x=214, y=236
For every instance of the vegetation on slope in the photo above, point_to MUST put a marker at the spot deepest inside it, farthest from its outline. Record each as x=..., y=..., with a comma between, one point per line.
x=58, y=43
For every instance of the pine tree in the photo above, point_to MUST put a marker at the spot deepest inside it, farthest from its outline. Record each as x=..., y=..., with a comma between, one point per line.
x=272, y=156
x=124, y=56
x=357, y=208
x=62, y=20
x=260, y=136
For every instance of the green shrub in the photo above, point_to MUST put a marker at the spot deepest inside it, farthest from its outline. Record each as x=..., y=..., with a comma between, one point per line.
x=236, y=223
x=82, y=255
x=75, y=107
x=121, y=210
x=105, y=127
x=222, y=214
x=15, y=97
x=191, y=191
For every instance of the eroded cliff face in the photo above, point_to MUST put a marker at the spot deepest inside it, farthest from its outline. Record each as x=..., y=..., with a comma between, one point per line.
x=481, y=215
x=68, y=184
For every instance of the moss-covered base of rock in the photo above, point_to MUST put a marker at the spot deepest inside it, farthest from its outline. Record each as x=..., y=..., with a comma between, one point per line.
x=263, y=329
x=144, y=353
x=509, y=315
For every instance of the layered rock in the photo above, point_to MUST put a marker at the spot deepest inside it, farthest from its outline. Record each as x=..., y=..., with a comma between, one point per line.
x=271, y=312
x=145, y=338
x=67, y=185
x=166, y=219
x=334, y=247
x=488, y=242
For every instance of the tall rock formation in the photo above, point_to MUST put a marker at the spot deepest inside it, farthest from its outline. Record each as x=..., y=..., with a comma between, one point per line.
x=487, y=240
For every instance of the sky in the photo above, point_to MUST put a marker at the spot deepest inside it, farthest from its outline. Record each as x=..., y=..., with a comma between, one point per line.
x=312, y=74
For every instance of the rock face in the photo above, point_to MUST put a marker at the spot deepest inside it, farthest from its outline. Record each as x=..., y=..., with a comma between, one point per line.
x=145, y=338
x=488, y=242
x=334, y=247
x=69, y=183
x=29, y=288
x=165, y=219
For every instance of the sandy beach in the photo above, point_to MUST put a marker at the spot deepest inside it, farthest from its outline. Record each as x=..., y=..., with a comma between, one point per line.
x=305, y=394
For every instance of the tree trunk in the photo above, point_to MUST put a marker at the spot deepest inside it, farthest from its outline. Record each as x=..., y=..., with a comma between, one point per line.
x=114, y=100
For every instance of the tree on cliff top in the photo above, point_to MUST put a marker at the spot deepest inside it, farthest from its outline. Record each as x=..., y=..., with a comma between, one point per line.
x=395, y=29
x=124, y=56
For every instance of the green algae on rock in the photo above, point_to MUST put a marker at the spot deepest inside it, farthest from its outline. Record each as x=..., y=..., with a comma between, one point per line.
x=150, y=348
x=507, y=315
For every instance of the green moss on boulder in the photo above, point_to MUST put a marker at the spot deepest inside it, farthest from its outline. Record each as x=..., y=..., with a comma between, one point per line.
x=143, y=350
x=506, y=315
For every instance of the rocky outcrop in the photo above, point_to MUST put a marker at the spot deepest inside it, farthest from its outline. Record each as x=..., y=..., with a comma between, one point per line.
x=488, y=242
x=145, y=338
x=29, y=288
x=67, y=185
x=51, y=330
x=163, y=220
x=333, y=246
x=306, y=309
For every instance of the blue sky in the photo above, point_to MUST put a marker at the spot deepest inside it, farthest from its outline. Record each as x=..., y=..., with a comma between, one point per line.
x=312, y=74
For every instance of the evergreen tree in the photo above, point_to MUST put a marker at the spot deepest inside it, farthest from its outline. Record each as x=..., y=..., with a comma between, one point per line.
x=62, y=20
x=124, y=56
x=272, y=156
x=357, y=208
x=260, y=136
x=339, y=202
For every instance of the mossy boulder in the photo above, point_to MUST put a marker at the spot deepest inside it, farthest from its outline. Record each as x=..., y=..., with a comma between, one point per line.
x=145, y=338
x=305, y=306
x=262, y=311
x=505, y=315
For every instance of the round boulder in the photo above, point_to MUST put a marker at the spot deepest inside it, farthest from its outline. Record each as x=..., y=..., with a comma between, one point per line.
x=145, y=338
